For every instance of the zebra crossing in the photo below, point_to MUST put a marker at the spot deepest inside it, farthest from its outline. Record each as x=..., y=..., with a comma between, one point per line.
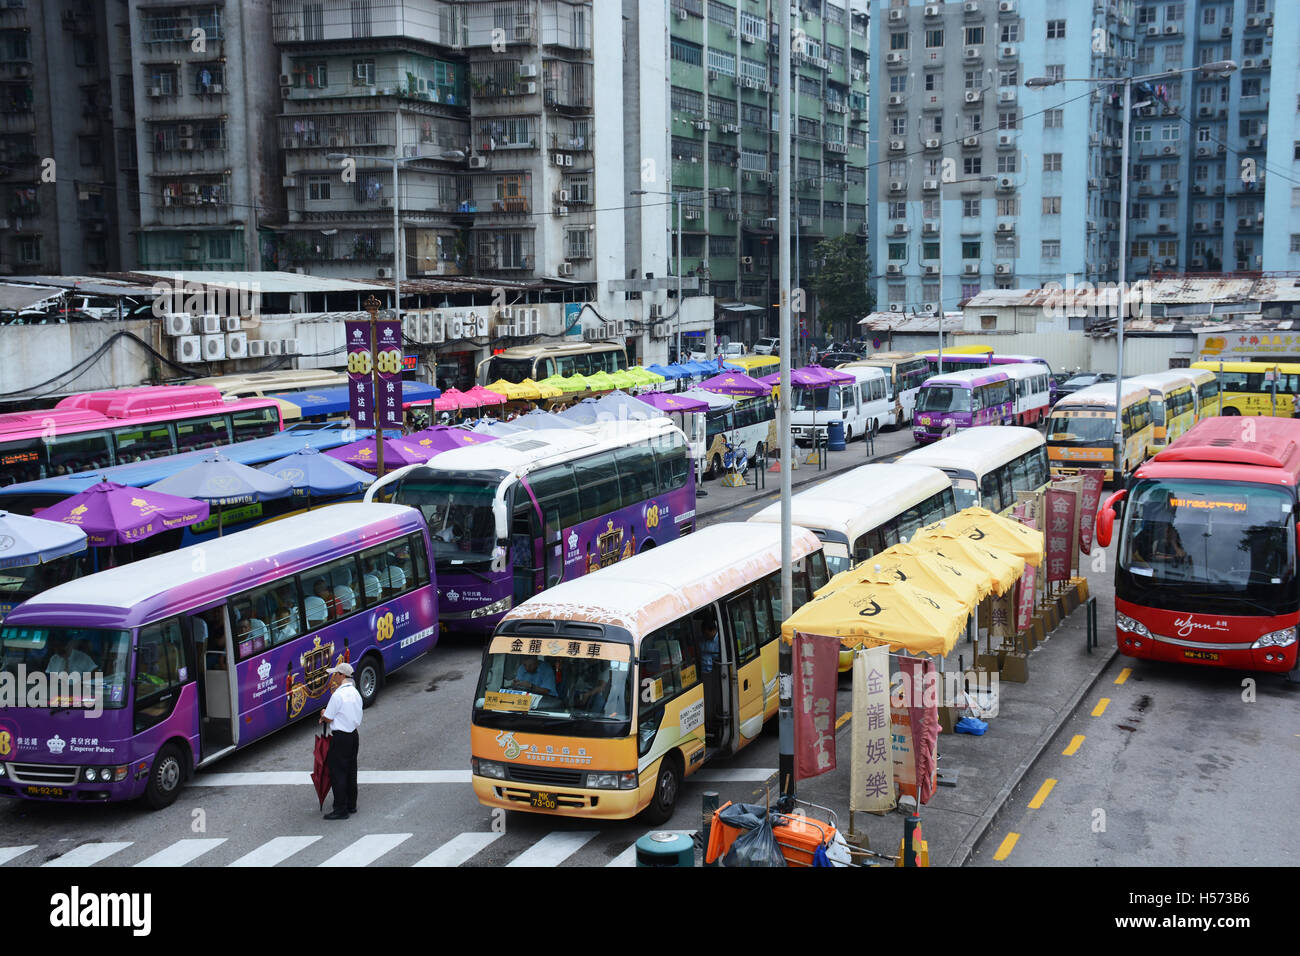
x=556, y=848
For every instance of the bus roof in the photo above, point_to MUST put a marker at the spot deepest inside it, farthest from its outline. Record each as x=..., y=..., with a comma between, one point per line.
x=153, y=588
x=1025, y=369
x=1103, y=395
x=251, y=384
x=644, y=592
x=526, y=451
x=137, y=474
x=1164, y=382
x=859, y=500
x=968, y=378
x=1216, y=448
x=577, y=348
x=968, y=350
x=113, y=408
x=891, y=356
x=976, y=450
x=1288, y=367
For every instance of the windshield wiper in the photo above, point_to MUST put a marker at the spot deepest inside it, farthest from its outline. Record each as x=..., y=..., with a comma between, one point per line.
x=477, y=574
x=1254, y=605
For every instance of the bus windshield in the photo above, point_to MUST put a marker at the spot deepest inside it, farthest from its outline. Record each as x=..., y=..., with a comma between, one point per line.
x=815, y=399
x=1069, y=430
x=458, y=509
x=18, y=584
x=943, y=398
x=99, y=658
x=587, y=696
x=511, y=370
x=1202, y=546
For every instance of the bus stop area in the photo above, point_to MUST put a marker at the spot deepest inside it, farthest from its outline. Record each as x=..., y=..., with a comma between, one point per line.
x=1034, y=689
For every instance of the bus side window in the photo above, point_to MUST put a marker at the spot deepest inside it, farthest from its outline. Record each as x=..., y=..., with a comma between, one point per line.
x=597, y=479
x=637, y=477
x=990, y=496
x=160, y=659
x=558, y=497
x=419, y=558
x=1005, y=485
x=744, y=630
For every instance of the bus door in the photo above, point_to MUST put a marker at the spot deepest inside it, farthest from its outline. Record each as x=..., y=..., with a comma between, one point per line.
x=526, y=546
x=746, y=672
x=212, y=649
x=717, y=664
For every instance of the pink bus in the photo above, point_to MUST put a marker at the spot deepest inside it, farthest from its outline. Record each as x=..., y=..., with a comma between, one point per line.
x=99, y=429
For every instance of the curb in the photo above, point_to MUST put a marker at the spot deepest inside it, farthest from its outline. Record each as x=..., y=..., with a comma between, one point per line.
x=966, y=848
x=731, y=506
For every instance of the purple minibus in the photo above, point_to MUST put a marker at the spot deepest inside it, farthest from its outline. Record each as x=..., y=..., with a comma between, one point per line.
x=948, y=403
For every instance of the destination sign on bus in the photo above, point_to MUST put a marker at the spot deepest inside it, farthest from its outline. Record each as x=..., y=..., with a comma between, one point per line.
x=1207, y=504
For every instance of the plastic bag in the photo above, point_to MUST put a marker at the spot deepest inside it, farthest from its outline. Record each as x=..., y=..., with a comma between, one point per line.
x=757, y=847
x=971, y=725
x=743, y=816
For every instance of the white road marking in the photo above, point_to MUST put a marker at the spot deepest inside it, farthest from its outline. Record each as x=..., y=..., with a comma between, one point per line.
x=182, y=852
x=628, y=856
x=8, y=853
x=368, y=849
x=460, y=848
x=275, y=851
x=268, y=778
x=88, y=854
x=738, y=775
x=554, y=848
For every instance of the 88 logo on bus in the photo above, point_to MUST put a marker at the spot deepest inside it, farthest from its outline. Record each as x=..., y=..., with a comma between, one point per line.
x=359, y=363
x=652, y=516
x=384, y=628
x=390, y=362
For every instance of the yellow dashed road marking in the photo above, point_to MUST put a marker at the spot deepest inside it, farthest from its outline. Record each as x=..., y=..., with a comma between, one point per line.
x=1008, y=844
x=1042, y=793
x=1075, y=744
x=1123, y=675
x=1101, y=707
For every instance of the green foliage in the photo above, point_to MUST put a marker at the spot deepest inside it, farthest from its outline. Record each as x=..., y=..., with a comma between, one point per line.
x=840, y=283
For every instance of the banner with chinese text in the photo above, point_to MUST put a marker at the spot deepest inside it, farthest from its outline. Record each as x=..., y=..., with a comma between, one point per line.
x=914, y=716
x=1062, y=507
x=1093, y=479
x=360, y=379
x=1026, y=586
x=388, y=358
x=871, y=762
x=817, y=677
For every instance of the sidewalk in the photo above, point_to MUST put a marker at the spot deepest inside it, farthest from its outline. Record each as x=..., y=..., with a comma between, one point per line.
x=722, y=504
x=988, y=769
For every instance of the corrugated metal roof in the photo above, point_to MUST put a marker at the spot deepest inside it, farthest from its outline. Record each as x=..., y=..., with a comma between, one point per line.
x=268, y=282
x=14, y=298
x=904, y=322
x=110, y=285
x=1182, y=290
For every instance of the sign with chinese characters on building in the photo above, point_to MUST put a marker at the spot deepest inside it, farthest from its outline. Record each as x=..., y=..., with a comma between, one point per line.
x=361, y=404
x=1062, y=509
x=1233, y=346
x=388, y=358
x=872, y=760
x=816, y=679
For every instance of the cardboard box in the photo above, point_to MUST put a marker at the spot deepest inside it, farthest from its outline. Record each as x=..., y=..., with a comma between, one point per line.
x=948, y=717
x=991, y=662
x=1069, y=599
x=1082, y=587
x=1015, y=666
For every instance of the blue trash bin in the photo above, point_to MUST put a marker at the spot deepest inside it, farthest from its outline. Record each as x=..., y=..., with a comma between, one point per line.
x=835, y=436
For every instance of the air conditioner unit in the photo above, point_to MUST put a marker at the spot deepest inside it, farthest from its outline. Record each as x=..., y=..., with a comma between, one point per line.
x=561, y=210
x=932, y=270
x=185, y=144
x=1168, y=150
x=1007, y=96
x=256, y=348
x=1171, y=262
x=210, y=324
x=1152, y=29
x=1007, y=6
x=237, y=345
x=893, y=269
x=894, y=58
x=565, y=269
x=437, y=328
x=971, y=7
x=1171, y=29
x=900, y=229
x=189, y=348
x=1252, y=22
x=930, y=185
x=1004, y=270
x=971, y=141
x=896, y=99
x=1006, y=228
x=933, y=142
x=681, y=14
x=897, y=185
x=214, y=348
x=155, y=91
x=230, y=323
x=384, y=272
x=1006, y=139
x=895, y=307
x=973, y=52
x=290, y=347
x=897, y=16
x=659, y=330
x=529, y=88
x=178, y=323
x=897, y=145
x=594, y=334
x=733, y=216
x=478, y=162
x=970, y=269
x=932, y=10
x=272, y=347
x=972, y=96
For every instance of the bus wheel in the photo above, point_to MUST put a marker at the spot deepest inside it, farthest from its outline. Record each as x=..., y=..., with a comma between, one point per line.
x=848, y=434
x=715, y=467
x=667, y=786
x=370, y=677
x=165, y=778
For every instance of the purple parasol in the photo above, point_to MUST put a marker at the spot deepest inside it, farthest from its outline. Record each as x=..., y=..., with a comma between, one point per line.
x=112, y=514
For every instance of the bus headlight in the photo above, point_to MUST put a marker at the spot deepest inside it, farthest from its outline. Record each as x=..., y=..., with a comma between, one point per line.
x=1126, y=623
x=612, y=781
x=488, y=768
x=1282, y=638
x=496, y=607
x=91, y=774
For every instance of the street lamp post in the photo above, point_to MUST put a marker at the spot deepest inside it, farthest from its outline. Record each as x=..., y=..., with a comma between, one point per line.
x=677, y=198
x=1219, y=67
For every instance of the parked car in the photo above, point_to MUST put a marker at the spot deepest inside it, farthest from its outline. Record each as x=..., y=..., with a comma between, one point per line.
x=1082, y=380
x=732, y=350
x=836, y=359
x=769, y=346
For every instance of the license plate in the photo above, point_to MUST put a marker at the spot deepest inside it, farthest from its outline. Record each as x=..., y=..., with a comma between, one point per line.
x=544, y=801
x=45, y=791
x=1200, y=656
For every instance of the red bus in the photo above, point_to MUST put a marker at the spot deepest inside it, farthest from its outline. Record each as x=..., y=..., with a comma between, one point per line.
x=99, y=429
x=1206, y=569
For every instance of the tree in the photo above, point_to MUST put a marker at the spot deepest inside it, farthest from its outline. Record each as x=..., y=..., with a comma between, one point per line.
x=840, y=284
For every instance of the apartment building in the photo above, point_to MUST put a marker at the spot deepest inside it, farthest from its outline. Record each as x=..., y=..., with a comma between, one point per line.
x=58, y=170
x=722, y=126
x=979, y=182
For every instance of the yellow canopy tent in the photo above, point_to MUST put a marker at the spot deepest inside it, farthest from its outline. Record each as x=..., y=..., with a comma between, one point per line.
x=1004, y=569
x=875, y=613
x=543, y=390
x=992, y=530
x=920, y=569
x=515, y=392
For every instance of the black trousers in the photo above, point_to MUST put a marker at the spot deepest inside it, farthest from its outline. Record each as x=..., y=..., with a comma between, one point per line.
x=343, y=769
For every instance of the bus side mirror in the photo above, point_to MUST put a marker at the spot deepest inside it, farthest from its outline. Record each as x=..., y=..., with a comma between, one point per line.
x=1106, y=518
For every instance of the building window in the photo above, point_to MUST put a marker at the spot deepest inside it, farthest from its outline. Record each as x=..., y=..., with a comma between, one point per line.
x=689, y=53
x=898, y=41
x=318, y=188
x=898, y=210
x=687, y=101
x=973, y=165
x=970, y=250
x=1056, y=29
x=1295, y=242
x=933, y=39
x=1009, y=206
x=1051, y=205
x=1051, y=248
x=1053, y=119
x=974, y=36
x=1051, y=162
x=1007, y=164
x=722, y=62
x=577, y=243
x=970, y=208
x=1011, y=33
x=898, y=251
x=219, y=247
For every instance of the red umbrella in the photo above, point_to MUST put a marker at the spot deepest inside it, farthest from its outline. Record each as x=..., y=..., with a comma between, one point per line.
x=320, y=771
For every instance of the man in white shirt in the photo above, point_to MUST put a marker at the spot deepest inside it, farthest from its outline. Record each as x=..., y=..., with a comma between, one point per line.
x=342, y=717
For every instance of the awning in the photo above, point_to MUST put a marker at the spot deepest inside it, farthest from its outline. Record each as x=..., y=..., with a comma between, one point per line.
x=335, y=400
x=741, y=307
x=15, y=298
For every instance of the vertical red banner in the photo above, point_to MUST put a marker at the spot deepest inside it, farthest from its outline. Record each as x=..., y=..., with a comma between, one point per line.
x=921, y=690
x=816, y=680
x=361, y=403
x=388, y=358
x=1089, y=501
x=1062, y=511
x=1027, y=585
